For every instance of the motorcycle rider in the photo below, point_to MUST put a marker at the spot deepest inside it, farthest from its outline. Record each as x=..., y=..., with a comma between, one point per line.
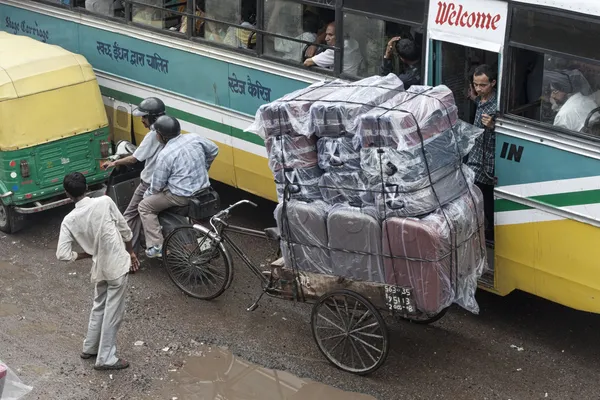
x=149, y=109
x=181, y=171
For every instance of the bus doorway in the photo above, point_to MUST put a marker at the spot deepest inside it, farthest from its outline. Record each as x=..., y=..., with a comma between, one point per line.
x=453, y=66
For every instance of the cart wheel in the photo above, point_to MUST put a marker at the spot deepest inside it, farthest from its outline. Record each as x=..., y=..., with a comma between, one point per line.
x=425, y=319
x=350, y=332
x=196, y=264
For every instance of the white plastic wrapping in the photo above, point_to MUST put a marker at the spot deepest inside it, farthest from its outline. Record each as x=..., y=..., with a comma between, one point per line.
x=11, y=387
x=286, y=151
x=290, y=114
x=334, y=114
x=423, y=196
x=345, y=187
x=440, y=256
x=355, y=243
x=447, y=148
x=338, y=154
x=302, y=183
x=304, y=240
x=407, y=119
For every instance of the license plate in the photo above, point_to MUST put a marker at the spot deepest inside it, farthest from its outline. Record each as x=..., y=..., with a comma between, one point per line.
x=400, y=299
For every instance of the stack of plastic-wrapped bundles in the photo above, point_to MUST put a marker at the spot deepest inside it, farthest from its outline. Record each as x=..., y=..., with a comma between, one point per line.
x=372, y=187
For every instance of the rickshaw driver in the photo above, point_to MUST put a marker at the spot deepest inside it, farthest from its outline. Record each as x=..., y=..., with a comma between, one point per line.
x=181, y=172
x=149, y=109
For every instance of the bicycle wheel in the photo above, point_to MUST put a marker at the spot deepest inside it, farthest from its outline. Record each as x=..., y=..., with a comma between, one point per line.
x=350, y=332
x=196, y=263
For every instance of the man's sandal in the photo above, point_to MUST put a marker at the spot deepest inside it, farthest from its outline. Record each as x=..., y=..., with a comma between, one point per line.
x=120, y=364
x=87, y=356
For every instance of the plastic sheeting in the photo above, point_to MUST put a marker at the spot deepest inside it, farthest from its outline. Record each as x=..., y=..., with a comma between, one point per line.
x=291, y=114
x=383, y=196
x=11, y=387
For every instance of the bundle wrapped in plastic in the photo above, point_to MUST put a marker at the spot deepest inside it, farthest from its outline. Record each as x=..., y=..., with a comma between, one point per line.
x=304, y=240
x=11, y=387
x=407, y=119
x=440, y=256
x=354, y=234
x=289, y=114
x=345, y=187
x=410, y=199
x=338, y=154
x=412, y=163
x=286, y=151
x=302, y=183
x=334, y=114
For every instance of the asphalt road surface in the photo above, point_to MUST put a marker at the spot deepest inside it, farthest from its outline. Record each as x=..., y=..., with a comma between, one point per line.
x=518, y=347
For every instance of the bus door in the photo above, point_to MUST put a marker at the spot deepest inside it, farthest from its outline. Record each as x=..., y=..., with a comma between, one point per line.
x=463, y=34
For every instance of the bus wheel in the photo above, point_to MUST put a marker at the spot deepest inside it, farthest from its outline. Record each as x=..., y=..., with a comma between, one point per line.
x=7, y=219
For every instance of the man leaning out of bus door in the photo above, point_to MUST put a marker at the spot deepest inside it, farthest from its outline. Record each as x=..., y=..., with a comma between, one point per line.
x=181, y=171
x=408, y=53
x=149, y=109
x=482, y=156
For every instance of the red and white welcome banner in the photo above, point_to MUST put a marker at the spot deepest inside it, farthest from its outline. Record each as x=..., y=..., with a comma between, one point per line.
x=474, y=23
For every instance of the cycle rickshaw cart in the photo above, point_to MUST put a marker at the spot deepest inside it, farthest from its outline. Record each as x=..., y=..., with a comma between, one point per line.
x=355, y=248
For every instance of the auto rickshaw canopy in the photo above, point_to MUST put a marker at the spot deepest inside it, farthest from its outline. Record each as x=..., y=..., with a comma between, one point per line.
x=46, y=93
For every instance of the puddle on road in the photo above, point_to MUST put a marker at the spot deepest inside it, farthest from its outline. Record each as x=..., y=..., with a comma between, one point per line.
x=12, y=271
x=9, y=309
x=217, y=374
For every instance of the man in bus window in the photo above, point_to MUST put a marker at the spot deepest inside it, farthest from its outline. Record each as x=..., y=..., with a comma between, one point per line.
x=570, y=93
x=409, y=55
x=181, y=172
x=102, y=7
x=482, y=157
x=352, y=56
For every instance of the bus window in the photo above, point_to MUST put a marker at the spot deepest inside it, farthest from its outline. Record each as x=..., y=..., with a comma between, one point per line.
x=161, y=14
x=239, y=12
x=563, y=90
x=109, y=8
x=372, y=35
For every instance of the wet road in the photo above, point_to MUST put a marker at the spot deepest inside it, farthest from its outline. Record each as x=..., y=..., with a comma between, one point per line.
x=519, y=347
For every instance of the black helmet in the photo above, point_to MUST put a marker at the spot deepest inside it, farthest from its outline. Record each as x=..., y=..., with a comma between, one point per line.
x=152, y=107
x=167, y=126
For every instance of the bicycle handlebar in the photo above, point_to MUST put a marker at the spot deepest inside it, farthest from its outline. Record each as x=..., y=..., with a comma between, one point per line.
x=226, y=211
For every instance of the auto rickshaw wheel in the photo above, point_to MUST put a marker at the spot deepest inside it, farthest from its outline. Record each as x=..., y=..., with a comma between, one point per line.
x=8, y=223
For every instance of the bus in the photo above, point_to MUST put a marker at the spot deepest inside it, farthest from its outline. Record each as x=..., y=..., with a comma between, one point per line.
x=214, y=62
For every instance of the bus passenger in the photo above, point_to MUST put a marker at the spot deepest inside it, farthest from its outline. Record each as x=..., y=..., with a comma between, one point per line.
x=293, y=50
x=181, y=171
x=352, y=56
x=408, y=53
x=482, y=156
x=570, y=92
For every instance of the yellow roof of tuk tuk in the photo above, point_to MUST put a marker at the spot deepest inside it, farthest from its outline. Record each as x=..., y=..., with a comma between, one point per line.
x=46, y=93
x=28, y=66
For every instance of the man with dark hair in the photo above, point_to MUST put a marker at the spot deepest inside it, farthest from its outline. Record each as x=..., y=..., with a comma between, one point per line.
x=98, y=227
x=408, y=53
x=482, y=156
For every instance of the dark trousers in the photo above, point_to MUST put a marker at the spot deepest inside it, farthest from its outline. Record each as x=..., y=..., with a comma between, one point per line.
x=488, y=207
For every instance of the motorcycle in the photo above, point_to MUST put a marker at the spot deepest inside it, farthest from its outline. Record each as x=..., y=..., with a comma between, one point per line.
x=124, y=180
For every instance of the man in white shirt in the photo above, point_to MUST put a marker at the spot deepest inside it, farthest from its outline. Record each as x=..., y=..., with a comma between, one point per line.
x=149, y=109
x=570, y=91
x=98, y=227
x=352, y=56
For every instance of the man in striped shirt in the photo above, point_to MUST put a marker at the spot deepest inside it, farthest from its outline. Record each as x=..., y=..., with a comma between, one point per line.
x=181, y=171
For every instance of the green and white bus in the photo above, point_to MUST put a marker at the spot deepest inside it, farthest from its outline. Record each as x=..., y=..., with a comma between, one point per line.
x=214, y=62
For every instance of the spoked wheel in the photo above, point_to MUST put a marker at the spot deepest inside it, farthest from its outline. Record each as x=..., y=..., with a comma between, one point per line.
x=425, y=318
x=350, y=332
x=197, y=264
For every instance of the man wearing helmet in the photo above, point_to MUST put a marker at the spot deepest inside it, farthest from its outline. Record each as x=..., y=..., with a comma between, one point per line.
x=181, y=171
x=149, y=109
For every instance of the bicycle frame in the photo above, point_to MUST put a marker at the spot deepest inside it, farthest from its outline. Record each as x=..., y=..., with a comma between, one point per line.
x=221, y=228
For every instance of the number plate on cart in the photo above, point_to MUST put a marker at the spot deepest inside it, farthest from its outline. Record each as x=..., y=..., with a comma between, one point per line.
x=400, y=299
